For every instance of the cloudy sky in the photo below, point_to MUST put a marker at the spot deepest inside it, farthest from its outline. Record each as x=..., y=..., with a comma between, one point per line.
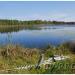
x=42, y=10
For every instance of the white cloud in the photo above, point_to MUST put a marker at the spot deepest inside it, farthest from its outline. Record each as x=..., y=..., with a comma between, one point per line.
x=58, y=16
x=50, y=16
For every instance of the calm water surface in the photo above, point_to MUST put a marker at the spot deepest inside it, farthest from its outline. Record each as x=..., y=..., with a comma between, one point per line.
x=40, y=37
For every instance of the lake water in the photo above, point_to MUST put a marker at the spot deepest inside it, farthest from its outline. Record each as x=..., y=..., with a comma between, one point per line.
x=39, y=37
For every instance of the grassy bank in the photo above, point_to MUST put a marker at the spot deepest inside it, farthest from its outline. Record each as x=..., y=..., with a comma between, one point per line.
x=12, y=57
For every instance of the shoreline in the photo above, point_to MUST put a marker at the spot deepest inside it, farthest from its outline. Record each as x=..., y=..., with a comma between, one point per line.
x=16, y=57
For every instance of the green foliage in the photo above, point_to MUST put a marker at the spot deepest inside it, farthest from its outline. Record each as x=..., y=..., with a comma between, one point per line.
x=31, y=22
x=58, y=50
x=15, y=56
x=60, y=67
x=49, y=53
x=15, y=25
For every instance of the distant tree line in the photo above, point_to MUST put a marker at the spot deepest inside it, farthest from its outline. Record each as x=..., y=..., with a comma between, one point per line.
x=31, y=22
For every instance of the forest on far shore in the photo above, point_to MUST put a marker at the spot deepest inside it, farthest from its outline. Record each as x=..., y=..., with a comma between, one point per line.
x=31, y=22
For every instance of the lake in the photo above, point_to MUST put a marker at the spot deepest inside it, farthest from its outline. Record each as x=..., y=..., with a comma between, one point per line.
x=39, y=36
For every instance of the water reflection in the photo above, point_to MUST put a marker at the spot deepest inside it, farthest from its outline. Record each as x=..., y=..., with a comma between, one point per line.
x=39, y=37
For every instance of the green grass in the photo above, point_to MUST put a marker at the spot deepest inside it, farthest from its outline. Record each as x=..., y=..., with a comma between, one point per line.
x=15, y=56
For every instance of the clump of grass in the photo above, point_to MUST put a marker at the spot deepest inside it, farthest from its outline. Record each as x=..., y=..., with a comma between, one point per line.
x=60, y=67
x=13, y=56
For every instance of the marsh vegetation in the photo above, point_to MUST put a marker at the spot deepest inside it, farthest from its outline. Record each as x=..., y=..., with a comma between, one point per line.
x=14, y=56
x=22, y=44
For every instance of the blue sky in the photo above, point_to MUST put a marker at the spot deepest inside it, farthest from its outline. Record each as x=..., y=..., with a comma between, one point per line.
x=42, y=10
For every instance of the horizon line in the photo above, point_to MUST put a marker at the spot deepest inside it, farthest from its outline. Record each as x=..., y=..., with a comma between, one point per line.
x=36, y=20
